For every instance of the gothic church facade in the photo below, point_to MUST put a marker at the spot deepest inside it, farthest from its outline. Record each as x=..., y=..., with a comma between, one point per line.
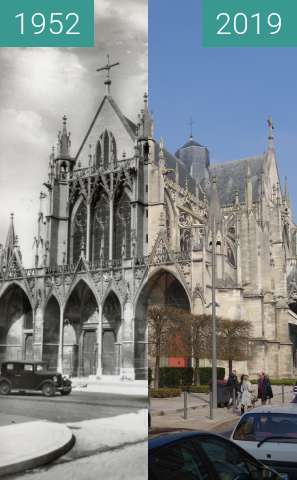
x=124, y=224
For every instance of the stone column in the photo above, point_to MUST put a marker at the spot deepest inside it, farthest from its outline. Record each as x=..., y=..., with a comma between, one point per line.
x=111, y=228
x=127, y=370
x=38, y=333
x=60, y=350
x=88, y=239
x=99, y=342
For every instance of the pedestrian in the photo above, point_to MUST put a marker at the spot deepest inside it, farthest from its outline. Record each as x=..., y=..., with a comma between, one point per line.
x=264, y=388
x=246, y=391
x=233, y=384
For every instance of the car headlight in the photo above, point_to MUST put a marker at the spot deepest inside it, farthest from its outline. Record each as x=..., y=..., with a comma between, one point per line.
x=55, y=379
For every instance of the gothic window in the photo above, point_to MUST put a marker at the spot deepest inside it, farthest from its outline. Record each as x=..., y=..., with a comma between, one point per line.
x=100, y=240
x=185, y=240
x=106, y=150
x=79, y=231
x=122, y=227
x=230, y=255
x=98, y=155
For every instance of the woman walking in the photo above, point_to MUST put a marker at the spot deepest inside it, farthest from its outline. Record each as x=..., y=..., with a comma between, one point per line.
x=246, y=390
x=264, y=389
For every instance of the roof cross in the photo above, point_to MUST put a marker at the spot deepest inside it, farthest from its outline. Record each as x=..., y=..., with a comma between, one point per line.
x=107, y=68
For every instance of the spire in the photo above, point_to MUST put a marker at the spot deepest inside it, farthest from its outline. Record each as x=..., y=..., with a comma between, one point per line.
x=248, y=187
x=107, y=68
x=10, y=241
x=64, y=142
x=270, y=134
x=191, y=128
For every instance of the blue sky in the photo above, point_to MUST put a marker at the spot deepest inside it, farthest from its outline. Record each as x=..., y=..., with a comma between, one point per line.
x=229, y=92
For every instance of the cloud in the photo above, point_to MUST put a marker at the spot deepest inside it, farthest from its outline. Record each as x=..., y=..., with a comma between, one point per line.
x=39, y=85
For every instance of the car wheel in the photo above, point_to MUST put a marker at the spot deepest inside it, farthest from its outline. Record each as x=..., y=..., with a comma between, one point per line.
x=48, y=390
x=4, y=388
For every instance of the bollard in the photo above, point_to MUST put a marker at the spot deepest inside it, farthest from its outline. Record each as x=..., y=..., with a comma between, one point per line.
x=210, y=406
x=234, y=400
x=185, y=405
x=283, y=394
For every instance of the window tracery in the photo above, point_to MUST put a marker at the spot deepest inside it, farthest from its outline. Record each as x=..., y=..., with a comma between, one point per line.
x=79, y=231
x=122, y=227
x=106, y=150
x=100, y=237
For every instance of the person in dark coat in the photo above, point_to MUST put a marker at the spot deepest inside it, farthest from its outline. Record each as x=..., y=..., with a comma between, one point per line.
x=233, y=384
x=264, y=388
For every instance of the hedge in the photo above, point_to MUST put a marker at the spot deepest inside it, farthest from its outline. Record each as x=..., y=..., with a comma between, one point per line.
x=165, y=392
x=278, y=381
x=175, y=376
x=198, y=389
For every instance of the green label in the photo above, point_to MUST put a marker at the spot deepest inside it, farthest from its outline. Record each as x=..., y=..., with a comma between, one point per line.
x=249, y=23
x=47, y=23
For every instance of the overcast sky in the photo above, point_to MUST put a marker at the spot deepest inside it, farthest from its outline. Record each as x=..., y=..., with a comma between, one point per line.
x=39, y=85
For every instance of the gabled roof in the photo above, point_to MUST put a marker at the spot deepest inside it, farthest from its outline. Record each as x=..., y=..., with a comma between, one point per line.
x=128, y=124
x=231, y=178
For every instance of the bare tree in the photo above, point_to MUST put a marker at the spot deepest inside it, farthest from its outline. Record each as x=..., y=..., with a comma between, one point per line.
x=233, y=340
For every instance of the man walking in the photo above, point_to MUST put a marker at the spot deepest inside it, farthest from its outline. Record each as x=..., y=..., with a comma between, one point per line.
x=233, y=385
x=264, y=388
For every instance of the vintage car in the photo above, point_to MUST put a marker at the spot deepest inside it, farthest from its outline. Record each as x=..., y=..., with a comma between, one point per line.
x=26, y=376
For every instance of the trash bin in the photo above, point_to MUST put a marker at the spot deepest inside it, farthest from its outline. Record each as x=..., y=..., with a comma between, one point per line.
x=224, y=393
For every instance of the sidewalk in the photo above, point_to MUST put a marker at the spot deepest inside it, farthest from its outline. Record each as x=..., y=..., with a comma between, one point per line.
x=115, y=386
x=169, y=412
x=28, y=443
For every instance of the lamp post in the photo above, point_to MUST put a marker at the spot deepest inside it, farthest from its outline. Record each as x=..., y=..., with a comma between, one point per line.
x=214, y=320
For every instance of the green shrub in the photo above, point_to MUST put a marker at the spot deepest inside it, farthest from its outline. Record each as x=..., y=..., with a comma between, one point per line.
x=199, y=389
x=278, y=381
x=165, y=392
x=206, y=374
x=176, y=376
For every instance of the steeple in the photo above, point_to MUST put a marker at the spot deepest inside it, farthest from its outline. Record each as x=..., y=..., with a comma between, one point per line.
x=10, y=240
x=64, y=142
x=146, y=121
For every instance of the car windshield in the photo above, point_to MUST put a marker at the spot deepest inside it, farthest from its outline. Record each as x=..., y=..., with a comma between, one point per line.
x=256, y=427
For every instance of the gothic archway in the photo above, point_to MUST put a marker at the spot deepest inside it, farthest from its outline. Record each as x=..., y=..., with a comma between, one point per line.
x=51, y=333
x=80, y=345
x=162, y=289
x=16, y=325
x=111, y=346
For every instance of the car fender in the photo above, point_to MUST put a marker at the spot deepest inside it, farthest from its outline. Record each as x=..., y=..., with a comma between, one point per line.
x=47, y=380
x=4, y=379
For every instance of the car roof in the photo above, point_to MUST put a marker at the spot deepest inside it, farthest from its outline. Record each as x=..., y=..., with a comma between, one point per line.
x=169, y=438
x=289, y=408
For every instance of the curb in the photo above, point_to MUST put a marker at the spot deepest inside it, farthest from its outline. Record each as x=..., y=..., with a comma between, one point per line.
x=162, y=413
x=39, y=460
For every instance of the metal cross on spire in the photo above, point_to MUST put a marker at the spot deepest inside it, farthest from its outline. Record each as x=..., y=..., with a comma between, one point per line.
x=107, y=68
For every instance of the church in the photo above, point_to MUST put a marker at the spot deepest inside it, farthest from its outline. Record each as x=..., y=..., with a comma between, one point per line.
x=123, y=224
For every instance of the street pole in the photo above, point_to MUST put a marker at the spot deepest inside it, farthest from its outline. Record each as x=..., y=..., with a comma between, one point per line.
x=214, y=322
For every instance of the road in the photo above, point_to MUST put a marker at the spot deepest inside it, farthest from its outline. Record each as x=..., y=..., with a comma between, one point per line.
x=76, y=407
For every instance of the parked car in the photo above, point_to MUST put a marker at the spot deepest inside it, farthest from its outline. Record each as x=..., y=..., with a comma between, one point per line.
x=23, y=376
x=270, y=435
x=202, y=456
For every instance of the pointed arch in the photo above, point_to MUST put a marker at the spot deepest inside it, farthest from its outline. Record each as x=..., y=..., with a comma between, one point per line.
x=111, y=337
x=51, y=331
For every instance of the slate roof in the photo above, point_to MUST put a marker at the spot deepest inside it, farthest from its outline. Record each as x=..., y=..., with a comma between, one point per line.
x=231, y=177
x=191, y=143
